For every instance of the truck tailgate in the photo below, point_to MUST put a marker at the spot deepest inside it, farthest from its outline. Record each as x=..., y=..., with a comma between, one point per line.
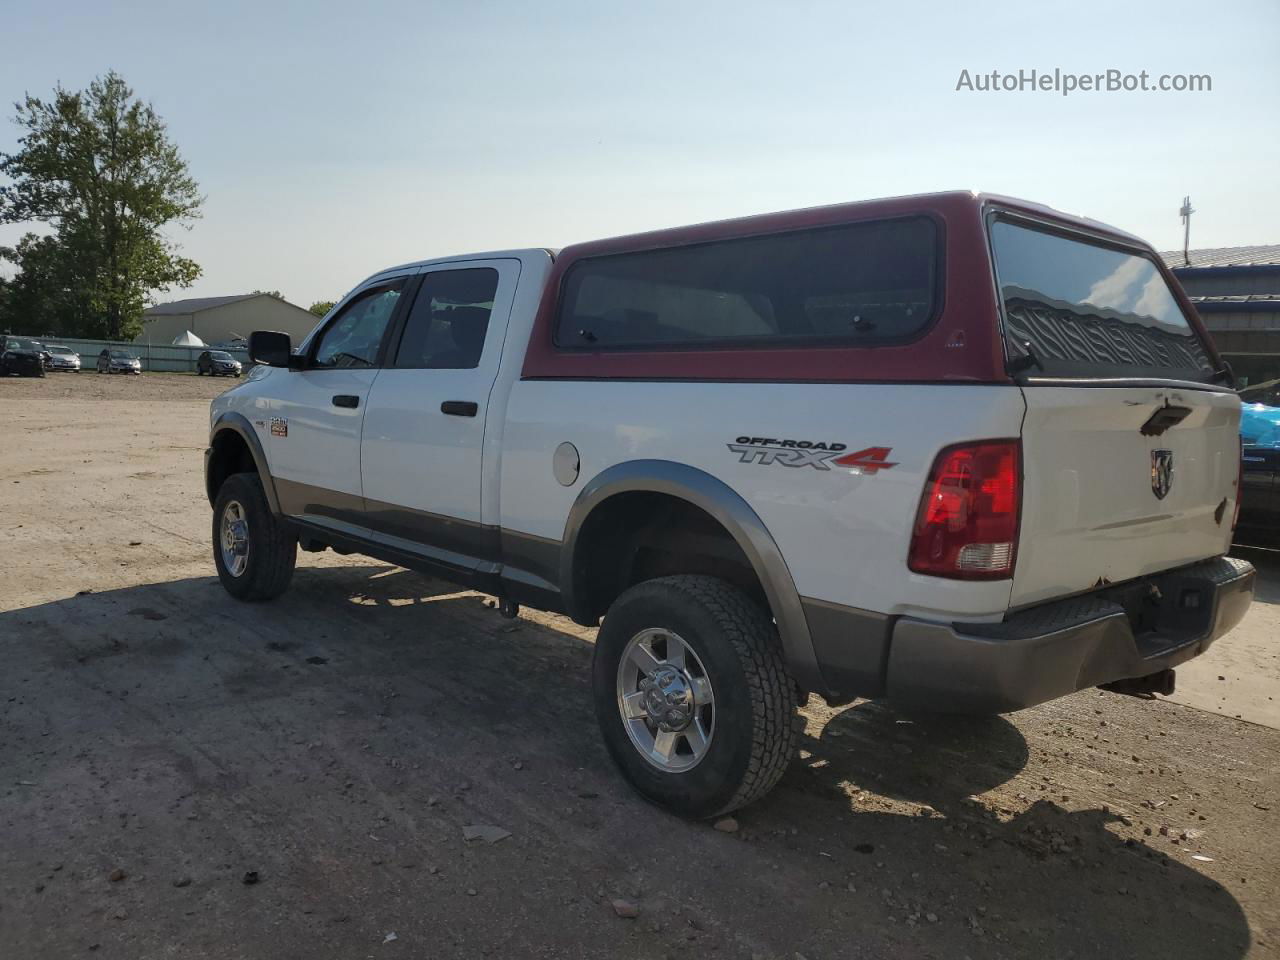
x=1104, y=503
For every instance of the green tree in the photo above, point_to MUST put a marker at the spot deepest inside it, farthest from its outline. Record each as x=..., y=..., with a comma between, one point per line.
x=39, y=299
x=272, y=293
x=321, y=307
x=6, y=297
x=98, y=167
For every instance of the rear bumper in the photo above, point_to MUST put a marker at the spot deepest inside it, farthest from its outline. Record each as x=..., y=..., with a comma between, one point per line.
x=1135, y=629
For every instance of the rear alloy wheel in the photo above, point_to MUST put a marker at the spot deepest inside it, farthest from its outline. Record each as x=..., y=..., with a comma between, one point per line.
x=253, y=552
x=693, y=696
x=667, y=703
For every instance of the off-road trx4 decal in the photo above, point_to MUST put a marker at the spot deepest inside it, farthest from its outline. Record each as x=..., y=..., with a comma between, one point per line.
x=809, y=453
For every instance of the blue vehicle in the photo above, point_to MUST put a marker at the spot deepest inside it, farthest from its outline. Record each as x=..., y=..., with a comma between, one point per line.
x=1260, y=495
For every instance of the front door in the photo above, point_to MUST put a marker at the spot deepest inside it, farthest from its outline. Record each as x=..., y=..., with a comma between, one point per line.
x=318, y=414
x=425, y=424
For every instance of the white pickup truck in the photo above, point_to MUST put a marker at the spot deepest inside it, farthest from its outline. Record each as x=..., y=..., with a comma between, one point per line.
x=959, y=451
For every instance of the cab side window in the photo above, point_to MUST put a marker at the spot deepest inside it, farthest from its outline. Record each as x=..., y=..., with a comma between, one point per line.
x=446, y=328
x=354, y=336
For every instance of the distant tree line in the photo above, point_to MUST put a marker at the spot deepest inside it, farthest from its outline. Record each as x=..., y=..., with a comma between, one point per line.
x=97, y=170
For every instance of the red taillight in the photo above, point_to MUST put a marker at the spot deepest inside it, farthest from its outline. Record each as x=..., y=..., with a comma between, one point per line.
x=967, y=524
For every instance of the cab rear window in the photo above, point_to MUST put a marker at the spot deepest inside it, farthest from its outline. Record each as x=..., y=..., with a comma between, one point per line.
x=1083, y=310
x=857, y=284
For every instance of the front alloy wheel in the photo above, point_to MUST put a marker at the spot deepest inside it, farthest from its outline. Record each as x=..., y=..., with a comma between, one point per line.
x=253, y=550
x=235, y=539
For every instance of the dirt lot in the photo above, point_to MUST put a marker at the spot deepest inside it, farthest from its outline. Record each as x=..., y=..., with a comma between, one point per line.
x=89, y=385
x=335, y=743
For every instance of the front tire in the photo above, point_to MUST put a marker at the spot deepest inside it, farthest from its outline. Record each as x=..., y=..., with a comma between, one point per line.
x=693, y=696
x=253, y=551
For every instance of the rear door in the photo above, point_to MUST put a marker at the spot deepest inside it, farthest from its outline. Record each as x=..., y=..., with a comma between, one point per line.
x=1130, y=449
x=425, y=426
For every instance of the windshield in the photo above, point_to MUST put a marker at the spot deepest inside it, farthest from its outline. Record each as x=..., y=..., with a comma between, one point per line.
x=1083, y=310
x=60, y=350
x=121, y=355
x=219, y=355
x=20, y=343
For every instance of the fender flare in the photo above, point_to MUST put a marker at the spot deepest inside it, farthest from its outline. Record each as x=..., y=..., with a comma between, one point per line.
x=731, y=511
x=238, y=423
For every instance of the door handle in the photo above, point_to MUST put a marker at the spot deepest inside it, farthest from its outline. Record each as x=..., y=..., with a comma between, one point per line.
x=348, y=400
x=460, y=408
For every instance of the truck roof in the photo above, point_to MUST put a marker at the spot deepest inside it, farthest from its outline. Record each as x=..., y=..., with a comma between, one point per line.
x=829, y=214
x=767, y=222
x=516, y=254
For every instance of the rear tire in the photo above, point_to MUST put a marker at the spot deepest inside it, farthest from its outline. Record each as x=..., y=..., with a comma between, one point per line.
x=263, y=567
x=712, y=652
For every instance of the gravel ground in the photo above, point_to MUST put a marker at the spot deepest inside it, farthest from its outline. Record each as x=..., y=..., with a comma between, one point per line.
x=332, y=747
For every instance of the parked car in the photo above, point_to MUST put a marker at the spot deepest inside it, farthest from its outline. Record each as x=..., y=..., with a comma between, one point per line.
x=118, y=361
x=62, y=358
x=217, y=363
x=962, y=452
x=1260, y=494
x=22, y=356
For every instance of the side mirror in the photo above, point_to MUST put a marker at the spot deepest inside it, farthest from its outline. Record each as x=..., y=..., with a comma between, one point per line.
x=271, y=348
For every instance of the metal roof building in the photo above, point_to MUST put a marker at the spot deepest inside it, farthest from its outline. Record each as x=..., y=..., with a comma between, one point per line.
x=223, y=319
x=1237, y=292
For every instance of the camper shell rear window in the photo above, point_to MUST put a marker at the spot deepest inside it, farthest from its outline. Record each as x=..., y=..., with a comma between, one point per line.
x=1080, y=308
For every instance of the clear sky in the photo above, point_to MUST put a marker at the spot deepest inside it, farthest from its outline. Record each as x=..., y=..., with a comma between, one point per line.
x=332, y=139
